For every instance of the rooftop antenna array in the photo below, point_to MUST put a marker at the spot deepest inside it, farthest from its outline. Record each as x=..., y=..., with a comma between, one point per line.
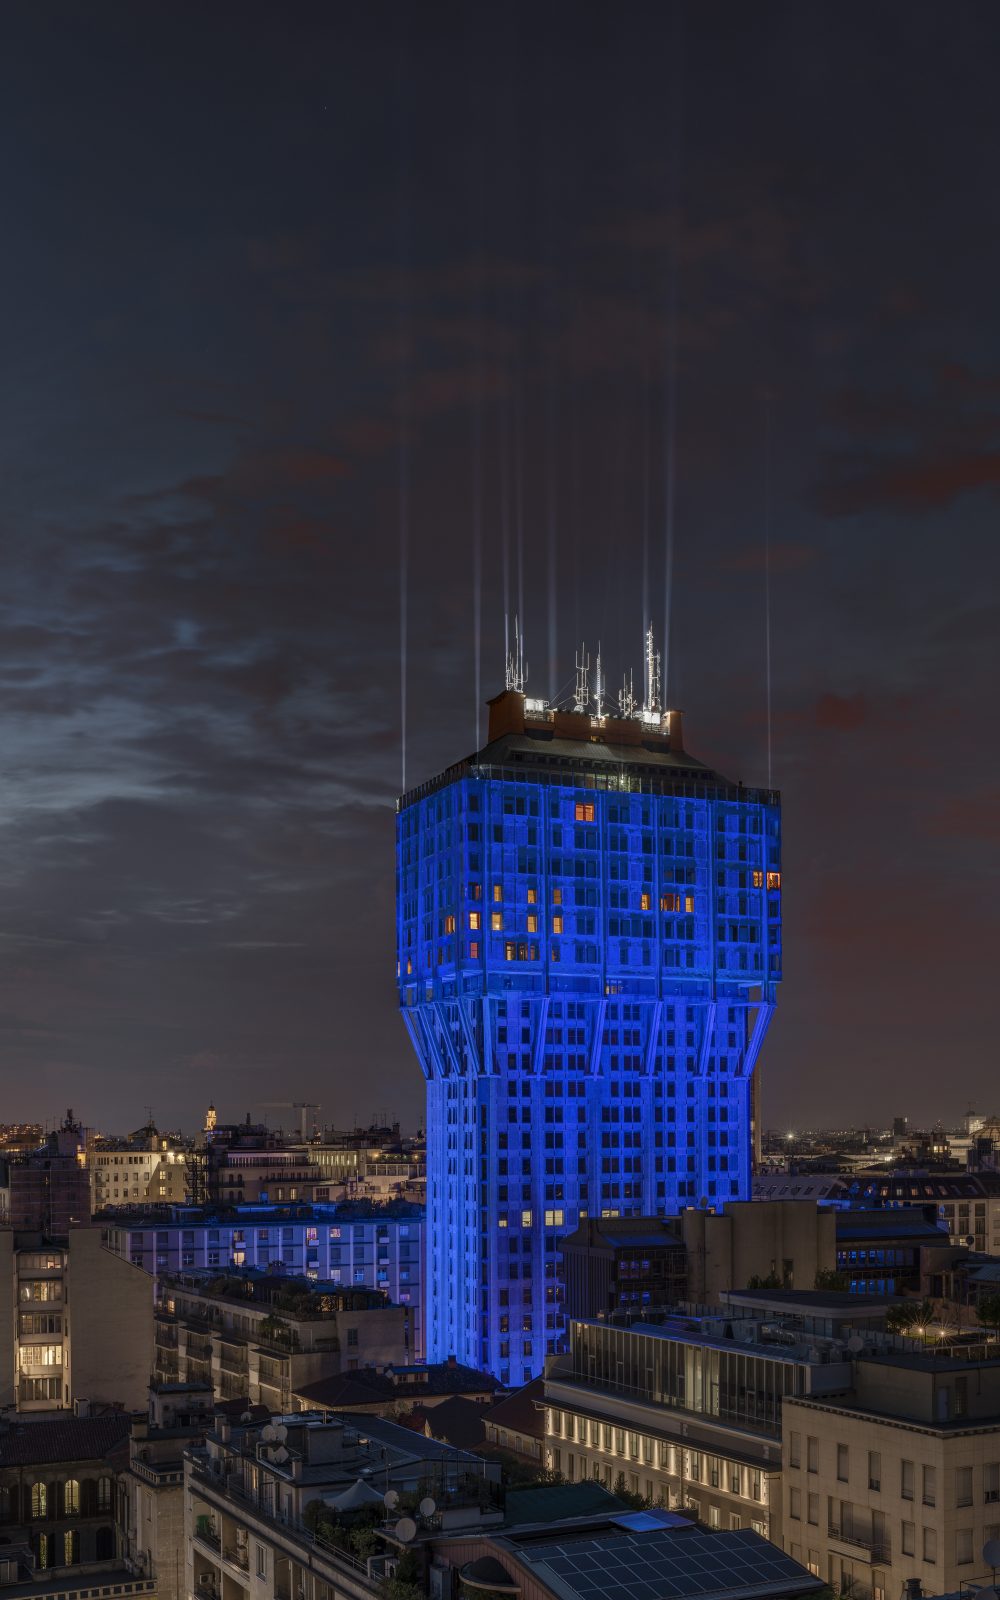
x=581, y=694
x=517, y=669
x=627, y=703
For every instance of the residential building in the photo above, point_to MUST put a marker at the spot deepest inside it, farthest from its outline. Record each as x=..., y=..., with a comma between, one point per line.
x=687, y=1410
x=151, y=1482
x=263, y=1337
x=147, y=1168
x=47, y=1190
x=248, y=1492
x=395, y=1391
x=76, y=1324
x=515, y=1426
x=898, y=1477
x=57, y=1497
x=613, y=1263
x=588, y=954
x=358, y=1244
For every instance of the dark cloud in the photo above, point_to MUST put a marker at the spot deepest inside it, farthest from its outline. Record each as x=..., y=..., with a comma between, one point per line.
x=291, y=299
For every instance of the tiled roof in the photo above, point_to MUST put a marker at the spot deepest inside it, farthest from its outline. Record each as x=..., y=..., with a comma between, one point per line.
x=520, y=1411
x=73, y=1439
x=368, y=1387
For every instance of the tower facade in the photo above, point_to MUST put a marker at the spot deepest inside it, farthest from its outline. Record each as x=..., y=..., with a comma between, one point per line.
x=589, y=943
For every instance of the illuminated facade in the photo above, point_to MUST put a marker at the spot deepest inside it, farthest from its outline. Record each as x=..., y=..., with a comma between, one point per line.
x=589, y=943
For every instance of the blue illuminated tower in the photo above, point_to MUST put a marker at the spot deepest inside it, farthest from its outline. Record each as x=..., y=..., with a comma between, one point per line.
x=589, y=943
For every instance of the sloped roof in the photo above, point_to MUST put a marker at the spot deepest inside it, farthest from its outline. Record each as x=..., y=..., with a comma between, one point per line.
x=520, y=1411
x=69, y=1439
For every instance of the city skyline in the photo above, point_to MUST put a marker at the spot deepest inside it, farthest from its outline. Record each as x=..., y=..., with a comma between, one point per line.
x=664, y=316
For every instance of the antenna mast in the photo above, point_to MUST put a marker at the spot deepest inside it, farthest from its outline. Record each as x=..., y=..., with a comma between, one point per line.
x=581, y=694
x=652, y=673
x=598, y=687
x=517, y=670
x=626, y=696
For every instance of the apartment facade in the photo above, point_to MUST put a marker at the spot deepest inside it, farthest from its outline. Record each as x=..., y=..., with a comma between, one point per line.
x=264, y=1338
x=686, y=1412
x=355, y=1247
x=76, y=1323
x=148, y=1168
x=899, y=1477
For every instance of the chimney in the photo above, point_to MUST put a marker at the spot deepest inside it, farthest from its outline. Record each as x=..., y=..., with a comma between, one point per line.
x=452, y=1361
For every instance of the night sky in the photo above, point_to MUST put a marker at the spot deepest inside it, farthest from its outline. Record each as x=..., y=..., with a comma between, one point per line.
x=519, y=291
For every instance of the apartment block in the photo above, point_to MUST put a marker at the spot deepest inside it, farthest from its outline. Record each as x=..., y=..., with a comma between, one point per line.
x=353, y=1246
x=76, y=1324
x=264, y=1337
x=898, y=1477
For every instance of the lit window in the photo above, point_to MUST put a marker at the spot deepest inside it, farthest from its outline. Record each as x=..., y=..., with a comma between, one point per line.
x=645, y=903
x=532, y=923
x=758, y=879
x=584, y=811
x=525, y=1219
x=557, y=897
x=689, y=902
x=474, y=921
x=669, y=902
x=501, y=1222
x=498, y=891
x=557, y=924
x=496, y=921
x=475, y=891
x=409, y=965
x=774, y=880
x=449, y=924
x=554, y=1219
x=474, y=950
x=510, y=951
x=532, y=897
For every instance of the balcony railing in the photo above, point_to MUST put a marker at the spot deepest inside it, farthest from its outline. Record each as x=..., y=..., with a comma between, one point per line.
x=879, y=1547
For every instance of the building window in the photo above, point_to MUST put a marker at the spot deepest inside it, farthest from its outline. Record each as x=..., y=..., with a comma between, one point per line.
x=496, y=921
x=842, y=1463
x=39, y=1500
x=71, y=1547
x=930, y=1486
x=908, y=1538
x=795, y=1505
x=525, y=1219
x=532, y=922
x=991, y=1482
x=497, y=893
x=104, y=1494
x=645, y=902
x=474, y=921
x=557, y=924
x=963, y=1486
x=474, y=950
x=449, y=924
x=261, y=1561
x=532, y=897
x=874, y=1469
x=758, y=880
x=812, y=1454
x=71, y=1498
x=774, y=880
x=583, y=811
x=906, y=1479
x=557, y=897
x=963, y=1546
x=930, y=1544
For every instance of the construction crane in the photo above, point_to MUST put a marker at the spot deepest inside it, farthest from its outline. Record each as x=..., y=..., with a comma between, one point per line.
x=303, y=1107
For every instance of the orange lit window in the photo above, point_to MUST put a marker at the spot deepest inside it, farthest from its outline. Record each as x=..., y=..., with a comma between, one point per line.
x=758, y=880
x=645, y=902
x=532, y=897
x=474, y=922
x=475, y=891
x=498, y=892
x=557, y=925
x=584, y=811
x=532, y=922
x=774, y=880
x=409, y=964
x=449, y=924
x=689, y=902
x=473, y=949
x=557, y=897
x=496, y=922
x=669, y=902
x=510, y=951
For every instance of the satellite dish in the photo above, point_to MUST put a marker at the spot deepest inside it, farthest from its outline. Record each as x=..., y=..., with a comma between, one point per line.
x=247, y=1416
x=390, y=1499
x=991, y=1552
x=281, y=1454
x=406, y=1529
x=854, y=1344
x=427, y=1506
x=267, y=1432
